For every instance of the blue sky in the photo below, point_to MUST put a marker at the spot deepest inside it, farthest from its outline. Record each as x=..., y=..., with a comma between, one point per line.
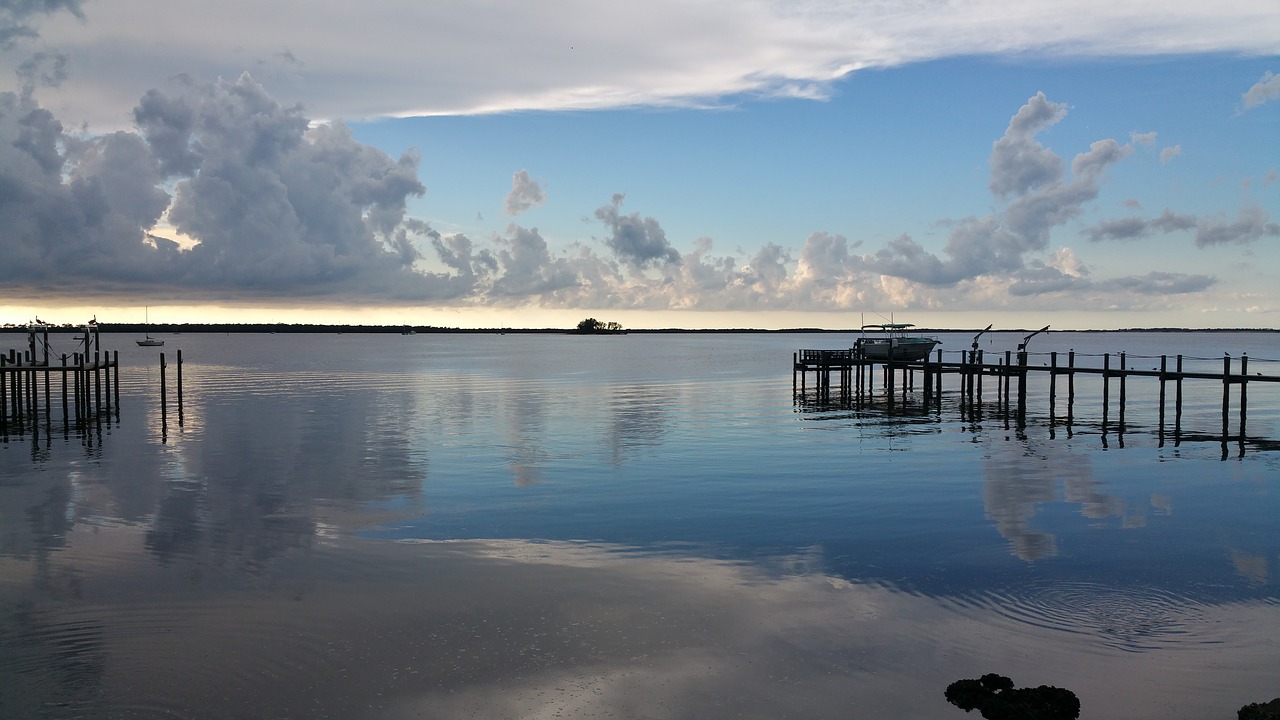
x=693, y=164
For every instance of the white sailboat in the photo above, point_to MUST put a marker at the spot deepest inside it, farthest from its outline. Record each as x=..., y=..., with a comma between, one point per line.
x=149, y=341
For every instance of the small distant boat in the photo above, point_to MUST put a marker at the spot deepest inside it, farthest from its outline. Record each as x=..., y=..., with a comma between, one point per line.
x=149, y=341
x=896, y=344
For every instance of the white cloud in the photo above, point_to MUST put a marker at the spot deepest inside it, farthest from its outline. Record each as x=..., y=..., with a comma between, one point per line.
x=526, y=194
x=280, y=207
x=1263, y=91
x=401, y=57
x=1169, y=153
x=1030, y=177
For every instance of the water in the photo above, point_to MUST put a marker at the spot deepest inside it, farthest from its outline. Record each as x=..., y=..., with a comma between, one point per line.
x=391, y=526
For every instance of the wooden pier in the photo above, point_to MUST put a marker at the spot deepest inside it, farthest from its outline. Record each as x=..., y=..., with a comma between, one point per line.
x=88, y=383
x=847, y=374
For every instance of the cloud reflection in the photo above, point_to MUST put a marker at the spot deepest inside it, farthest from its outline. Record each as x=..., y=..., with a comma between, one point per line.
x=525, y=629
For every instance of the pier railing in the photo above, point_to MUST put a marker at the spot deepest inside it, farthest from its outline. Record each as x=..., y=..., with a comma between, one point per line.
x=87, y=384
x=849, y=374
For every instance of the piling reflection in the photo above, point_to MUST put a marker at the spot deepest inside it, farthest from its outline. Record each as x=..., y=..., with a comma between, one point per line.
x=713, y=547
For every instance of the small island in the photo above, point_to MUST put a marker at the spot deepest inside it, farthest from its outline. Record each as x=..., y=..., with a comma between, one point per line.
x=592, y=326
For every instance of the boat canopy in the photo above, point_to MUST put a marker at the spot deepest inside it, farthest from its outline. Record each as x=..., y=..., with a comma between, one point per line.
x=889, y=326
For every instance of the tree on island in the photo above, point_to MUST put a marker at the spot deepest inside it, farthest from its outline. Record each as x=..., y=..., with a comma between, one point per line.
x=592, y=325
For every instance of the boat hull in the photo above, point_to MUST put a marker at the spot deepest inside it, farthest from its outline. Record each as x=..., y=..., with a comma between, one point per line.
x=897, y=349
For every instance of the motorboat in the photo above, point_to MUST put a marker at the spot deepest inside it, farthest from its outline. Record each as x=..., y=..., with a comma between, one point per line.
x=895, y=343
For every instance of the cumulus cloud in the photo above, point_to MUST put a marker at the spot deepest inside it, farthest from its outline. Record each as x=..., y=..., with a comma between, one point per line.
x=1019, y=162
x=527, y=267
x=526, y=194
x=1169, y=153
x=275, y=205
x=222, y=191
x=1038, y=196
x=635, y=240
x=1263, y=91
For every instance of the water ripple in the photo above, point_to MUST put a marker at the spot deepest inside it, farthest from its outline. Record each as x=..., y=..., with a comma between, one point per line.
x=1132, y=619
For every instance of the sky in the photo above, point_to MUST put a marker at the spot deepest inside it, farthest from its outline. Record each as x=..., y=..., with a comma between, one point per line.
x=677, y=163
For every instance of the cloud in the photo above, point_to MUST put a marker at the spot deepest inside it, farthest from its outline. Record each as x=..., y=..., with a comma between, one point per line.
x=1252, y=225
x=1169, y=153
x=268, y=204
x=1046, y=280
x=1019, y=162
x=565, y=54
x=1031, y=179
x=1263, y=91
x=1160, y=283
x=525, y=194
x=635, y=240
x=528, y=268
x=1135, y=228
x=277, y=206
x=17, y=17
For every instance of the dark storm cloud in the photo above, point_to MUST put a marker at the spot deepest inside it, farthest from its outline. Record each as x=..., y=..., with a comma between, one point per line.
x=17, y=16
x=43, y=69
x=635, y=240
x=274, y=205
x=73, y=208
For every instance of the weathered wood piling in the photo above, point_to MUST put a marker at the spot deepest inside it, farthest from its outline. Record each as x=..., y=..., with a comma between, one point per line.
x=87, y=380
x=854, y=374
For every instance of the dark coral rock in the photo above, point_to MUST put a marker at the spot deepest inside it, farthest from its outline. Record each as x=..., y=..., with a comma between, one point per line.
x=967, y=694
x=1260, y=711
x=1041, y=703
x=995, y=697
x=996, y=683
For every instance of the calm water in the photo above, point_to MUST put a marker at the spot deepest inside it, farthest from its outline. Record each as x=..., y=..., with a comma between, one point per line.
x=638, y=526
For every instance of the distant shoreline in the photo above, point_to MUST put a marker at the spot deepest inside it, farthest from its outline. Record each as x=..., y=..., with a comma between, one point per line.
x=427, y=329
